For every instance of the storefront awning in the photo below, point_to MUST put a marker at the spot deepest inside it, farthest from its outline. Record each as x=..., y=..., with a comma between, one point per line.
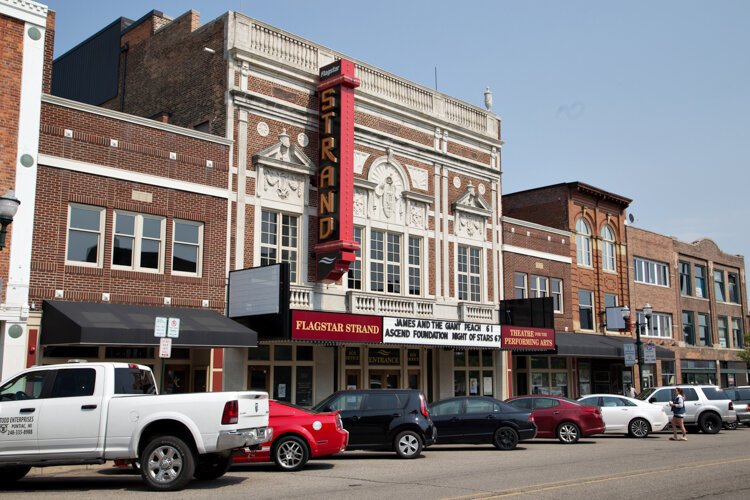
x=599, y=346
x=90, y=323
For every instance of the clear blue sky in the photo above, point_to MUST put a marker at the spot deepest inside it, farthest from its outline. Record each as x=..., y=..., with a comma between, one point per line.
x=650, y=100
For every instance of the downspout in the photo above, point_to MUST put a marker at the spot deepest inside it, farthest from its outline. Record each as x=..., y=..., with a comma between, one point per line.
x=124, y=52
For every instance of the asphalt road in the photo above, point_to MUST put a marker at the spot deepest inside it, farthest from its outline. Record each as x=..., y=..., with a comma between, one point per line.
x=611, y=467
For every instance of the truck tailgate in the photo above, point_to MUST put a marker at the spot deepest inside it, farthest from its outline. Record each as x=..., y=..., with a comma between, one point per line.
x=253, y=409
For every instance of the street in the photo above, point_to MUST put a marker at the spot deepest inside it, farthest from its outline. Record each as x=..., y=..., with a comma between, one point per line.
x=609, y=466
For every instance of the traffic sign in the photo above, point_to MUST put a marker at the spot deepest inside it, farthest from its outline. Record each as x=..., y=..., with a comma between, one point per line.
x=160, y=327
x=165, y=347
x=173, y=328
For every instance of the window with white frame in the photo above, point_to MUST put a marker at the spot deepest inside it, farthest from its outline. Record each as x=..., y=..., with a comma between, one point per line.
x=469, y=279
x=85, y=233
x=608, y=249
x=138, y=242
x=187, y=248
x=586, y=309
x=414, y=264
x=660, y=325
x=385, y=262
x=557, y=295
x=355, y=269
x=539, y=287
x=519, y=285
x=279, y=239
x=583, y=243
x=651, y=272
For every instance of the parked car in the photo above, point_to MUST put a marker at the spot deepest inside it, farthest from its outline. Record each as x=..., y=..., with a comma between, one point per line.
x=383, y=419
x=298, y=435
x=740, y=396
x=88, y=413
x=561, y=418
x=479, y=419
x=624, y=415
x=706, y=406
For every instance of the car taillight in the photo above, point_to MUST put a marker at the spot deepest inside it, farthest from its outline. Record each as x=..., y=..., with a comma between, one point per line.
x=748, y=407
x=339, y=424
x=231, y=413
x=731, y=405
x=531, y=418
x=592, y=409
x=423, y=407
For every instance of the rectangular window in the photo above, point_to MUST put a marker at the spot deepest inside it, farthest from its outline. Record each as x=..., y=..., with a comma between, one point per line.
x=519, y=285
x=187, y=247
x=279, y=238
x=415, y=266
x=377, y=259
x=651, y=272
x=719, y=286
x=737, y=333
x=688, y=327
x=557, y=295
x=394, y=263
x=734, y=289
x=85, y=231
x=722, y=326
x=704, y=330
x=700, y=282
x=355, y=269
x=385, y=262
x=659, y=326
x=138, y=242
x=586, y=309
x=539, y=287
x=686, y=285
x=469, y=278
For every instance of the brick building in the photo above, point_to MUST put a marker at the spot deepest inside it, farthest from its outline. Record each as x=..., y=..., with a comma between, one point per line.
x=425, y=201
x=26, y=31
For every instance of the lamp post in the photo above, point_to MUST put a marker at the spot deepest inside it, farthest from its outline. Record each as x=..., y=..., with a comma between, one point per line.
x=8, y=208
x=647, y=311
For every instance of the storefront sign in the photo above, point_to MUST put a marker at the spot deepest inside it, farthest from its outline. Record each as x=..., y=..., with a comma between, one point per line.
x=352, y=356
x=528, y=338
x=649, y=354
x=437, y=332
x=629, y=354
x=336, y=245
x=312, y=325
x=384, y=357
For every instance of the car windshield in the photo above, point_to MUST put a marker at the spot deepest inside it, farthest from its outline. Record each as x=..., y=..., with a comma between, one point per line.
x=295, y=407
x=326, y=402
x=644, y=395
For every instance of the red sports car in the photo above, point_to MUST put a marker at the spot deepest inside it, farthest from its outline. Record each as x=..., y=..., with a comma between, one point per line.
x=559, y=417
x=298, y=435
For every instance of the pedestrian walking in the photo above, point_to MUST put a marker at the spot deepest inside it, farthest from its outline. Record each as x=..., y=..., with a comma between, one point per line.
x=678, y=414
x=629, y=391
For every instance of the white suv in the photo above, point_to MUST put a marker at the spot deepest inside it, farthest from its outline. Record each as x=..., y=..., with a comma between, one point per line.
x=706, y=406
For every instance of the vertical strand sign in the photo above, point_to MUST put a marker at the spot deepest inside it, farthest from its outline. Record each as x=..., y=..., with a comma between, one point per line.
x=335, y=249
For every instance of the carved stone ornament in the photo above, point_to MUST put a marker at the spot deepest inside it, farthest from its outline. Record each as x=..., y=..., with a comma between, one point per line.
x=387, y=204
x=417, y=215
x=360, y=202
x=472, y=214
x=418, y=177
x=283, y=184
x=469, y=225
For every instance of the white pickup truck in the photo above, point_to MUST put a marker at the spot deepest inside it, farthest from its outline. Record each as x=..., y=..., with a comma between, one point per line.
x=91, y=412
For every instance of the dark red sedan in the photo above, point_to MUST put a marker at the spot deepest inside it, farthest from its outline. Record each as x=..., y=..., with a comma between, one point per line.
x=561, y=418
x=298, y=435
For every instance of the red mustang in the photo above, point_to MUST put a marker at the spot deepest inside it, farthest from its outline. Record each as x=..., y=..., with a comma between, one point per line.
x=298, y=435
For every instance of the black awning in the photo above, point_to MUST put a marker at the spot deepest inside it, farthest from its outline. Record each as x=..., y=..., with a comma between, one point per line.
x=598, y=346
x=90, y=323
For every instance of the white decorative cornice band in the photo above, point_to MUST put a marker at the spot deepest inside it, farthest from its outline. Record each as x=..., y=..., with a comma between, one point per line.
x=25, y=10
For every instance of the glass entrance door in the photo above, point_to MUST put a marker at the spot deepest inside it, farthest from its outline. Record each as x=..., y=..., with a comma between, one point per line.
x=385, y=379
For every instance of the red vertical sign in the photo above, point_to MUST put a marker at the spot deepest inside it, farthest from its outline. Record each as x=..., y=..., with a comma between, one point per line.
x=335, y=249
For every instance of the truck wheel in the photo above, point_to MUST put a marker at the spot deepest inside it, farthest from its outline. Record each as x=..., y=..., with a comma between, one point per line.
x=408, y=444
x=13, y=473
x=167, y=463
x=710, y=423
x=212, y=466
x=290, y=453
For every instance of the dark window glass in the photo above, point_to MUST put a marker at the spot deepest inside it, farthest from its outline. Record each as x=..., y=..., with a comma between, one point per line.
x=133, y=381
x=704, y=330
x=355, y=269
x=282, y=383
x=304, y=387
x=73, y=382
x=714, y=394
x=686, y=286
x=282, y=353
x=304, y=353
x=522, y=404
x=688, y=327
x=586, y=309
x=71, y=352
x=446, y=408
x=545, y=403
x=690, y=394
x=719, y=286
x=260, y=353
x=129, y=352
x=734, y=291
x=700, y=282
x=26, y=386
x=382, y=402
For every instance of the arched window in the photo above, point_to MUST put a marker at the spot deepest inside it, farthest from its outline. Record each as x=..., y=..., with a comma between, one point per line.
x=608, y=249
x=583, y=243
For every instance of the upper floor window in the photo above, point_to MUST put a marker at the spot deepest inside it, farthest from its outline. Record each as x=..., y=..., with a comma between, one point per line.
x=734, y=289
x=688, y=327
x=415, y=265
x=586, y=309
x=279, y=238
x=737, y=336
x=700, y=281
x=85, y=232
x=704, y=330
x=719, y=289
x=651, y=272
x=469, y=278
x=187, y=248
x=539, y=287
x=686, y=286
x=722, y=327
x=608, y=249
x=138, y=242
x=583, y=243
x=355, y=269
x=557, y=295
x=385, y=262
x=519, y=285
x=660, y=325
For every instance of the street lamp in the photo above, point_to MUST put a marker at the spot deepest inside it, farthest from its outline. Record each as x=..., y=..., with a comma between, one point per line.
x=647, y=311
x=8, y=208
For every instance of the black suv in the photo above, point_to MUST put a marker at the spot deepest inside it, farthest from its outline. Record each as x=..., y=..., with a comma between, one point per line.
x=383, y=419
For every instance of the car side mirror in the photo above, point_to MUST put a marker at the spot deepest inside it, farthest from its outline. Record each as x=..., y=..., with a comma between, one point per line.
x=652, y=400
